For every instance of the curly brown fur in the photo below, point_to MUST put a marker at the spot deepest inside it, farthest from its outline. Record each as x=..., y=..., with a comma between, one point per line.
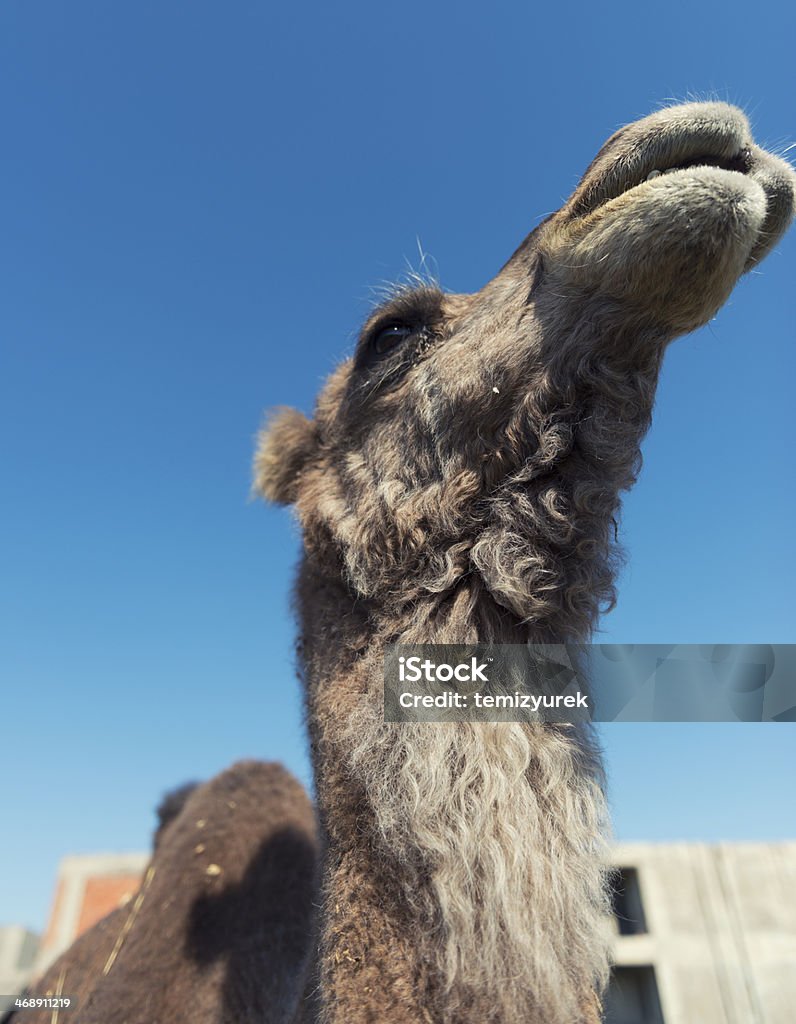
x=460, y=481
x=221, y=927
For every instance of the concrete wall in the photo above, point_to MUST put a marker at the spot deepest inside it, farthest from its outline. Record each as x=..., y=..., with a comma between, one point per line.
x=720, y=932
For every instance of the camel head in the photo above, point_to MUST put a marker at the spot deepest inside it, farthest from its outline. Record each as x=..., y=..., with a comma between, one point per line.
x=477, y=444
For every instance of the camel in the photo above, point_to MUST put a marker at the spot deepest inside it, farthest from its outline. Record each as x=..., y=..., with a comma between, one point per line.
x=220, y=928
x=460, y=482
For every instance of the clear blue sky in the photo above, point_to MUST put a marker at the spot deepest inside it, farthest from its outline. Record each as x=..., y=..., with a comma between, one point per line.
x=197, y=201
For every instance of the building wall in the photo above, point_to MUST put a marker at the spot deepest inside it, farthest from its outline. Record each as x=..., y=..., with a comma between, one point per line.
x=718, y=936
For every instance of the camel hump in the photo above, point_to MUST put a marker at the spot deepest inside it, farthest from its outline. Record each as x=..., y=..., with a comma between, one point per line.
x=221, y=927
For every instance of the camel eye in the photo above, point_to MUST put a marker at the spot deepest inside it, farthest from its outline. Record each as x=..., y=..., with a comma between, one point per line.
x=388, y=337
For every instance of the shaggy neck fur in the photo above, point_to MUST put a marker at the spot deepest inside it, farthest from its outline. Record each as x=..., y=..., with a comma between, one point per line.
x=494, y=834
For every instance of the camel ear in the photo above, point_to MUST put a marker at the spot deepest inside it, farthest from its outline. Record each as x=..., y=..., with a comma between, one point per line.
x=285, y=444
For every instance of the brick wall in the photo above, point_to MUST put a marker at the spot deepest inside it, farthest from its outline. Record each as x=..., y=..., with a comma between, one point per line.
x=101, y=894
